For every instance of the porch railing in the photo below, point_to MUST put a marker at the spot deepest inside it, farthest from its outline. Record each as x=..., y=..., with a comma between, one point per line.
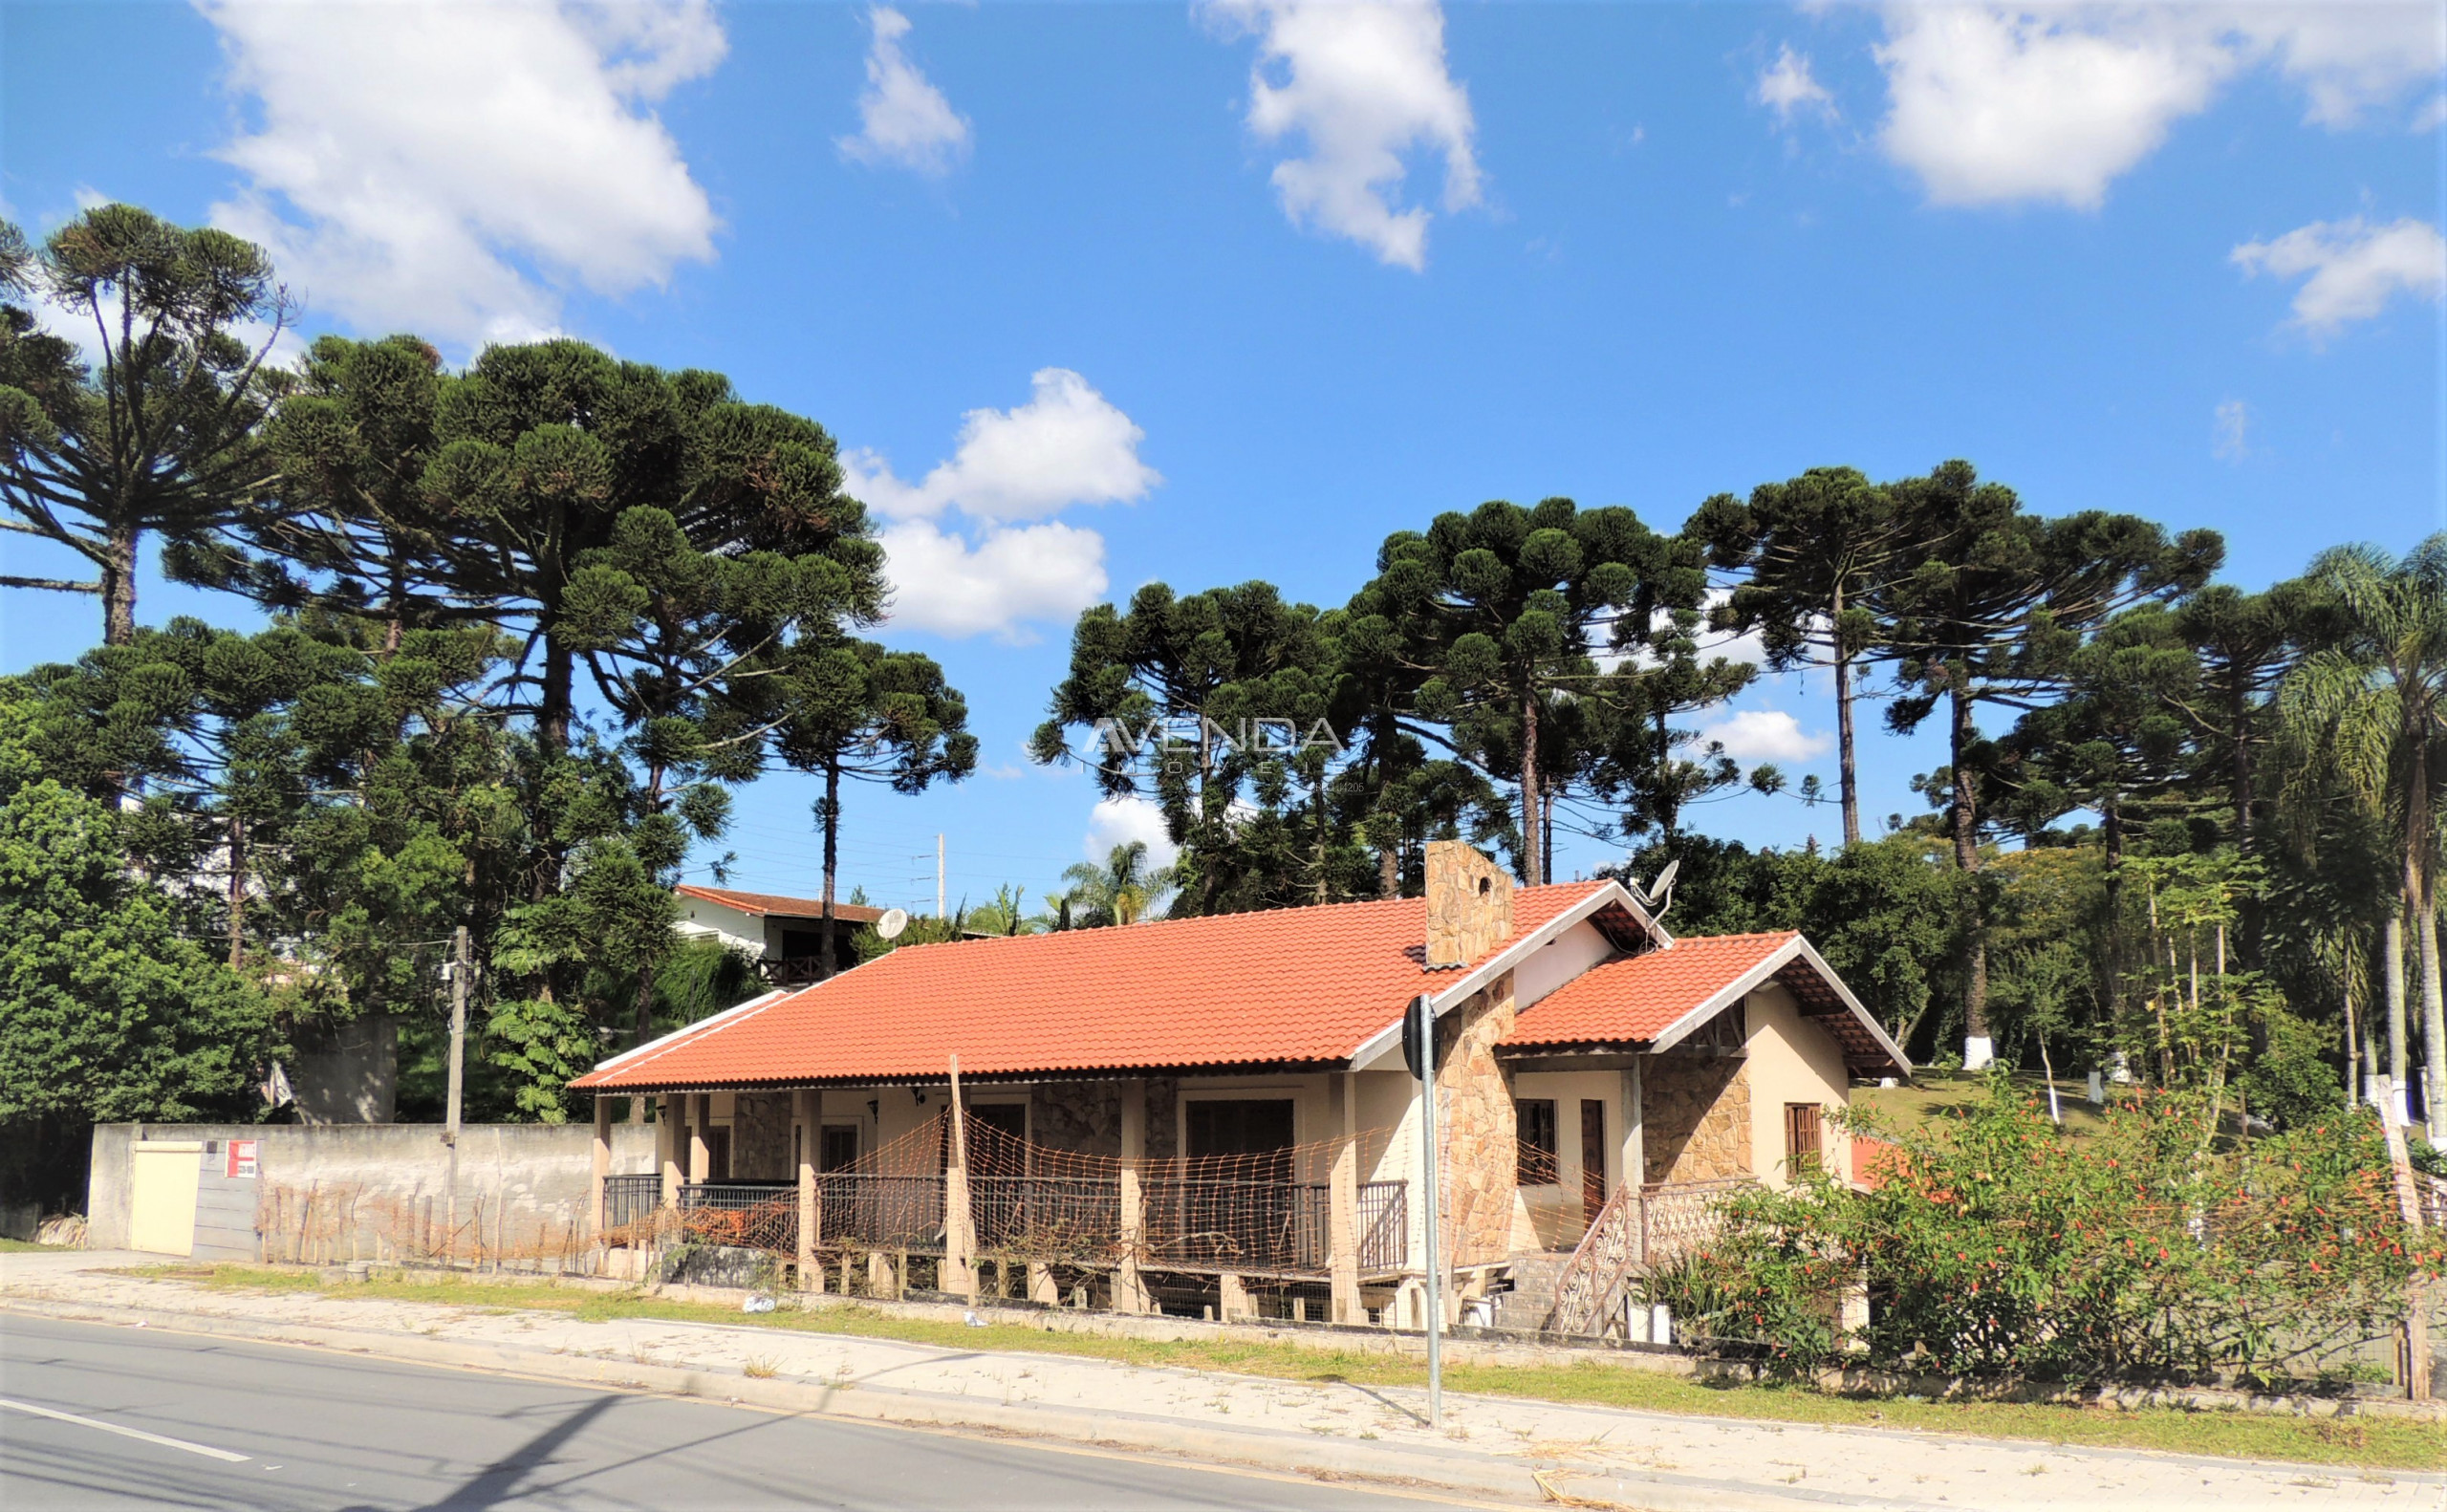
x=1639, y=1229
x=749, y=1214
x=1384, y=1225
x=880, y=1211
x=630, y=1199
x=1046, y=1216
x=1255, y=1226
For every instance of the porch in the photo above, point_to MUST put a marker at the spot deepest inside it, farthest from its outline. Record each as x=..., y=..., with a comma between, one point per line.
x=894, y=1192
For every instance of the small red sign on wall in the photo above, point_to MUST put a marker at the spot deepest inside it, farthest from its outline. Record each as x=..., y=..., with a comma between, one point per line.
x=241, y=1158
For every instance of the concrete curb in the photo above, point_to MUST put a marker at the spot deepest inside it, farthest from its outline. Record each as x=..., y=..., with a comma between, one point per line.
x=1459, y=1471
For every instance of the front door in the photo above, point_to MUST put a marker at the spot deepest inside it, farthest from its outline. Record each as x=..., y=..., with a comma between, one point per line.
x=1238, y=1209
x=839, y=1150
x=1593, y=1158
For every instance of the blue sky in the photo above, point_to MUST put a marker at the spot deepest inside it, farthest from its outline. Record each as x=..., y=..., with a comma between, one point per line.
x=1101, y=294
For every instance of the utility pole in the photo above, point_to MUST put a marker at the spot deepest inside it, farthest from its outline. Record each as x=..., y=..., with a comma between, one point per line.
x=457, y=969
x=458, y=1034
x=1418, y=1046
x=939, y=877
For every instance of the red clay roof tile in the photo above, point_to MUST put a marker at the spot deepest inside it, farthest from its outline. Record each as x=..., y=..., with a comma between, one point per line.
x=778, y=903
x=1292, y=985
x=1634, y=998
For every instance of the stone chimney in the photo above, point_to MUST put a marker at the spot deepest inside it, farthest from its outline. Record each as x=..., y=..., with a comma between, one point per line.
x=1470, y=905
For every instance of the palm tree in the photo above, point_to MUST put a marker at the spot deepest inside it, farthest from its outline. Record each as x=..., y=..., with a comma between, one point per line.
x=2371, y=699
x=1118, y=892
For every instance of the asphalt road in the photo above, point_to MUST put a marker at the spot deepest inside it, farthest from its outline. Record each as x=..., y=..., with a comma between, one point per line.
x=159, y=1419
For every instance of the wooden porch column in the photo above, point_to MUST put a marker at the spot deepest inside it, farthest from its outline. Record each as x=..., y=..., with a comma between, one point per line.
x=1342, y=1199
x=1129, y=1289
x=807, y=1106
x=671, y=1143
x=701, y=1157
x=960, y=1226
x=601, y=1167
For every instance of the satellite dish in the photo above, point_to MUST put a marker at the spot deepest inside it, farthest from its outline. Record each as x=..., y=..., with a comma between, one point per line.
x=1659, y=895
x=893, y=922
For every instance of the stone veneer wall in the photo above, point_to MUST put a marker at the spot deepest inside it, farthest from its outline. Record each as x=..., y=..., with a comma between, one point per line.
x=760, y=1138
x=1469, y=904
x=1697, y=1117
x=1080, y=1117
x=1086, y=1117
x=1480, y=1131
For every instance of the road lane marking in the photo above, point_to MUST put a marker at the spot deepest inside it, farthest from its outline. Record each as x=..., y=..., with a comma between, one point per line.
x=206, y=1450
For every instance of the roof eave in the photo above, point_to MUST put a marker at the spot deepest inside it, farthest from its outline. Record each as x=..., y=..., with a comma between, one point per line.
x=1797, y=948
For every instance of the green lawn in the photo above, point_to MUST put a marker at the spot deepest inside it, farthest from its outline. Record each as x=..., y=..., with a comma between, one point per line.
x=1933, y=1093
x=2370, y=1443
x=19, y=1246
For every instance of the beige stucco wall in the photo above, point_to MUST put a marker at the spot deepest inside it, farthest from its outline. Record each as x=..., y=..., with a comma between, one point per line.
x=1551, y=1217
x=1792, y=1060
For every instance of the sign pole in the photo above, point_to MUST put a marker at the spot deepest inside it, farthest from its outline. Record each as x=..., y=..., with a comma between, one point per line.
x=1424, y=1033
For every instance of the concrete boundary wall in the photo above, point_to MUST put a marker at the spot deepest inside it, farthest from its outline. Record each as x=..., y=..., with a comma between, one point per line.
x=513, y=1179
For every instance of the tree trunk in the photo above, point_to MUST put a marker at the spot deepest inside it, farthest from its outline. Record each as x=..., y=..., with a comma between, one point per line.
x=1546, y=832
x=1534, y=872
x=119, y=587
x=2352, y=1045
x=1320, y=788
x=553, y=716
x=1389, y=870
x=237, y=891
x=831, y=816
x=1977, y=1046
x=392, y=626
x=1848, y=779
x=2391, y=965
x=2433, y=1019
x=2112, y=837
x=643, y=1029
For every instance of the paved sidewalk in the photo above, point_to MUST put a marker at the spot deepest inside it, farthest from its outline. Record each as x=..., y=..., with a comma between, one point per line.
x=1490, y=1446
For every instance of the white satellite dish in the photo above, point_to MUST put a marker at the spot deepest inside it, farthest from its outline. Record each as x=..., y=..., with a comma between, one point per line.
x=893, y=922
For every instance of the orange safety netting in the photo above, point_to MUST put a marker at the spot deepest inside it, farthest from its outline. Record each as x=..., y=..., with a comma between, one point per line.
x=1267, y=1212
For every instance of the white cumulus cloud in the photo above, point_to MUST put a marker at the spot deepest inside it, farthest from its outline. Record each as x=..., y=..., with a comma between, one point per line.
x=902, y=118
x=986, y=571
x=1068, y=445
x=2052, y=102
x=1766, y=735
x=1364, y=84
x=459, y=168
x=1002, y=580
x=1119, y=821
x=2353, y=267
x=1787, y=85
x=1994, y=104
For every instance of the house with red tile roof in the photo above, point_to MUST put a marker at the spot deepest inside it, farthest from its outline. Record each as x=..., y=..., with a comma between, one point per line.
x=1221, y=1107
x=782, y=934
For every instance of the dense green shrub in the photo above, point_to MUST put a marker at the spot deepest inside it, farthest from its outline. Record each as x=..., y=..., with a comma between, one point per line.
x=2000, y=1244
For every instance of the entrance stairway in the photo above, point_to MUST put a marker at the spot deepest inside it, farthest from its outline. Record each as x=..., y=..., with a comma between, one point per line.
x=1536, y=1273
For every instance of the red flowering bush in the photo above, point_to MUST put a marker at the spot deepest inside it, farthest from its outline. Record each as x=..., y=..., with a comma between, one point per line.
x=2000, y=1244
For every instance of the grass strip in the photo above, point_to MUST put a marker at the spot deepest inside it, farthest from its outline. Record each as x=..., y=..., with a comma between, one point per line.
x=2370, y=1443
